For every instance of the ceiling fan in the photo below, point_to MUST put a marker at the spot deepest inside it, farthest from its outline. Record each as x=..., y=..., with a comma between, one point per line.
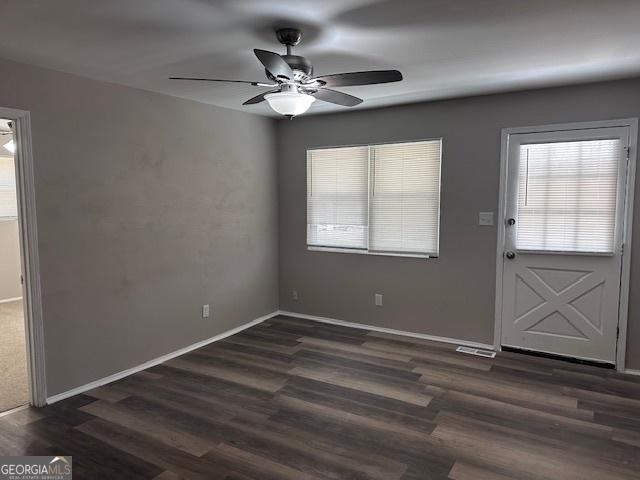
x=294, y=88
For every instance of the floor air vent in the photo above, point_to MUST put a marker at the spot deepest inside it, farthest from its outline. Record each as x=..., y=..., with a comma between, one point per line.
x=476, y=351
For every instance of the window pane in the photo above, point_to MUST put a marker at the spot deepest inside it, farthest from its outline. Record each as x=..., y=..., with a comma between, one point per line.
x=567, y=194
x=337, y=197
x=405, y=200
x=8, y=199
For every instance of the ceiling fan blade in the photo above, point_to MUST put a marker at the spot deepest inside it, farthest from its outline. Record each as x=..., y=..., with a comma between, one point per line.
x=274, y=64
x=333, y=96
x=255, y=84
x=259, y=98
x=361, y=78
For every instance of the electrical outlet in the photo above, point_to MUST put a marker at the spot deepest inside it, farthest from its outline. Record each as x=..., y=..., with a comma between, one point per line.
x=378, y=299
x=294, y=295
x=205, y=311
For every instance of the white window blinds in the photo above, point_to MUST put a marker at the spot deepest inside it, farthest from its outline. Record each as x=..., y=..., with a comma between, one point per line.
x=337, y=197
x=380, y=198
x=567, y=195
x=8, y=199
x=405, y=197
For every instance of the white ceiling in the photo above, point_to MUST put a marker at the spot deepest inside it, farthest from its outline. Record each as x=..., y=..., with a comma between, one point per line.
x=444, y=48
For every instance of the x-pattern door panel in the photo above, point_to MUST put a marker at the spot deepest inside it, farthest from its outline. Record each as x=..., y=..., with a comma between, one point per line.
x=558, y=306
x=560, y=297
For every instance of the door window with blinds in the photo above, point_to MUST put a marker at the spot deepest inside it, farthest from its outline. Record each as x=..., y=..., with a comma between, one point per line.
x=379, y=199
x=568, y=196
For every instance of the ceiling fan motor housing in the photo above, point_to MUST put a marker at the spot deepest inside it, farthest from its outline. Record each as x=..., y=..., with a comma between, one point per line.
x=302, y=68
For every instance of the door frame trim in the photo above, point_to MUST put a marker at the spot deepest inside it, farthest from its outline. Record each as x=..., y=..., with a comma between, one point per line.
x=32, y=296
x=623, y=310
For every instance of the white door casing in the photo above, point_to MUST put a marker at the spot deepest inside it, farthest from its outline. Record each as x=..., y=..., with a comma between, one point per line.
x=25, y=189
x=564, y=302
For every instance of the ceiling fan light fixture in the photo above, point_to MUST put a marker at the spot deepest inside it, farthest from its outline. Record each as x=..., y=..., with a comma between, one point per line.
x=289, y=103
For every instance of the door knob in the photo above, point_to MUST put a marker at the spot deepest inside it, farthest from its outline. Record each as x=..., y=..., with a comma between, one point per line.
x=510, y=255
x=511, y=222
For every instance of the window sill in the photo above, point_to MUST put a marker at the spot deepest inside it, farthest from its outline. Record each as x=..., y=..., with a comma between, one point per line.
x=366, y=252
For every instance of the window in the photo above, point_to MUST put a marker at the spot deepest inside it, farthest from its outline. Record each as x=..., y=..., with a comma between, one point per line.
x=567, y=194
x=337, y=197
x=381, y=199
x=8, y=199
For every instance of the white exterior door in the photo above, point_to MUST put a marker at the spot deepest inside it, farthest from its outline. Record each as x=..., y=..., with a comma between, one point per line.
x=564, y=222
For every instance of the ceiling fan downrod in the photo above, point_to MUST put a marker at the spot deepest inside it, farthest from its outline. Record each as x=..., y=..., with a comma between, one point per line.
x=289, y=37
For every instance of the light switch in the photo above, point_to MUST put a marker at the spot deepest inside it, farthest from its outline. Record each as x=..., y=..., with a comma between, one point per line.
x=485, y=218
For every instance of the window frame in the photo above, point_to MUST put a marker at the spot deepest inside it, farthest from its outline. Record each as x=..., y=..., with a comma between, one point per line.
x=590, y=131
x=619, y=195
x=367, y=251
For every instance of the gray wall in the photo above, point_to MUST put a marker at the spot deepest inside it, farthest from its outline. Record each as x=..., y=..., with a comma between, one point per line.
x=10, y=286
x=148, y=207
x=451, y=296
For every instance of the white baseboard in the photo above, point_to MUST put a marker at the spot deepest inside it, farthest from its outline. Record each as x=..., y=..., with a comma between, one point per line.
x=7, y=300
x=630, y=371
x=14, y=410
x=392, y=331
x=155, y=361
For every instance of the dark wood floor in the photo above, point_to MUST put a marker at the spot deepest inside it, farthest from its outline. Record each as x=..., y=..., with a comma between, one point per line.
x=294, y=399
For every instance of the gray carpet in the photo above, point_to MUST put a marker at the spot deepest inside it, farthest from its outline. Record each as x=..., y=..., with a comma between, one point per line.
x=14, y=389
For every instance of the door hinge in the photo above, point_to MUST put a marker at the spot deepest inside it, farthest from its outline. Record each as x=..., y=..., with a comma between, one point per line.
x=627, y=150
x=617, y=333
x=21, y=280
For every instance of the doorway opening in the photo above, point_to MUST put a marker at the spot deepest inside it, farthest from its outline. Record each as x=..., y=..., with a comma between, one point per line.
x=14, y=376
x=564, y=241
x=22, y=368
